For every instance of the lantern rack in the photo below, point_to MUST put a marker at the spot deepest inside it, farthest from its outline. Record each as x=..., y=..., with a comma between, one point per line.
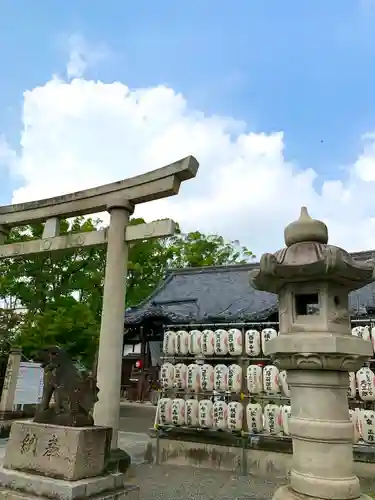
x=216, y=395
x=202, y=357
x=255, y=324
x=244, y=396
x=194, y=326
x=261, y=397
x=202, y=429
x=220, y=431
x=234, y=396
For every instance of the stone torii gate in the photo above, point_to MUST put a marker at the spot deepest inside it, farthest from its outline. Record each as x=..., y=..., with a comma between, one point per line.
x=119, y=199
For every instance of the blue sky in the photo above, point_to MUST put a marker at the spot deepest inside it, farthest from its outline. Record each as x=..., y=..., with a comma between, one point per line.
x=305, y=68
x=302, y=67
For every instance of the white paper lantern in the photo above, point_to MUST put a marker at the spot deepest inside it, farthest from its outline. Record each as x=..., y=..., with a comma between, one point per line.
x=366, y=333
x=221, y=342
x=207, y=377
x=206, y=413
x=235, y=416
x=354, y=418
x=234, y=378
x=357, y=331
x=182, y=343
x=352, y=389
x=178, y=411
x=167, y=376
x=164, y=411
x=195, y=344
x=286, y=412
x=208, y=342
x=272, y=419
x=254, y=418
x=191, y=412
x=220, y=409
x=360, y=414
x=221, y=378
x=367, y=426
x=362, y=332
x=271, y=379
x=252, y=343
x=193, y=378
x=180, y=376
x=267, y=334
x=169, y=343
x=254, y=377
x=366, y=384
x=235, y=342
x=283, y=384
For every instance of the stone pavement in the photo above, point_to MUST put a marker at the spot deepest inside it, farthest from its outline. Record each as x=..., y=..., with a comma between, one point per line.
x=166, y=482
x=136, y=417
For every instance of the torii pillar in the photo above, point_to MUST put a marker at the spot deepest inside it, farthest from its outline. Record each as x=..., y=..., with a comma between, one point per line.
x=107, y=409
x=119, y=199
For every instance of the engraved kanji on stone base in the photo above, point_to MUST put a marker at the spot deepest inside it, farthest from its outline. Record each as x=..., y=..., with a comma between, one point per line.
x=70, y=453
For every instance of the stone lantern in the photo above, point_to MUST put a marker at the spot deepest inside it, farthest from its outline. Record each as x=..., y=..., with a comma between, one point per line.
x=312, y=280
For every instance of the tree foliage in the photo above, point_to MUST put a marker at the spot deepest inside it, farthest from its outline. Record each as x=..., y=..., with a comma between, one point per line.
x=60, y=293
x=196, y=249
x=10, y=322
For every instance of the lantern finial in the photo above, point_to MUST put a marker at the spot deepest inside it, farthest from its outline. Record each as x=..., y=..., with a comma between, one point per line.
x=305, y=229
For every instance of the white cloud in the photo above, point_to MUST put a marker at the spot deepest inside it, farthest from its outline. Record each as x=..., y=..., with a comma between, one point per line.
x=82, y=56
x=80, y=133
x=8, y=157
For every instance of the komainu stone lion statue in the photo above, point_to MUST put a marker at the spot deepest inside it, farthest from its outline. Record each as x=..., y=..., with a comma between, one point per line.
x=74, y=392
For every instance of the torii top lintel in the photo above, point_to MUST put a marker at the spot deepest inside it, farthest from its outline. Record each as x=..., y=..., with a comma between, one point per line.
x=160, y=183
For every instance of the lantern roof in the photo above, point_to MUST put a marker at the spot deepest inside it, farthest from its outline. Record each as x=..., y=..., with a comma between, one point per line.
x=308, y=257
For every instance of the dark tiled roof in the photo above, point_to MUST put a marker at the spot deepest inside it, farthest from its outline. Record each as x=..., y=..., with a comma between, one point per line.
x=223, y=294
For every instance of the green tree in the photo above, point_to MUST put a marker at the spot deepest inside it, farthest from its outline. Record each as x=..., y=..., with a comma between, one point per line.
x=39, y=280
x=61, y=292
x=147, y=263
x=10, y=325
x=196, y=249
x=71, y=325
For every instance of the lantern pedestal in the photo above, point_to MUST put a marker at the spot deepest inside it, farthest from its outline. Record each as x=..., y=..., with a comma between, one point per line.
x=287, y=493
x=321, y=430
x=322, y=435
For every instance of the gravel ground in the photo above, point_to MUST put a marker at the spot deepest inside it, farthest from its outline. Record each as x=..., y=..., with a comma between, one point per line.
x=166, y=482
x=136, y=417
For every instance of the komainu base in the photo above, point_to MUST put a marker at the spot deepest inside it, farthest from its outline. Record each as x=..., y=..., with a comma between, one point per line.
x=16, y=485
